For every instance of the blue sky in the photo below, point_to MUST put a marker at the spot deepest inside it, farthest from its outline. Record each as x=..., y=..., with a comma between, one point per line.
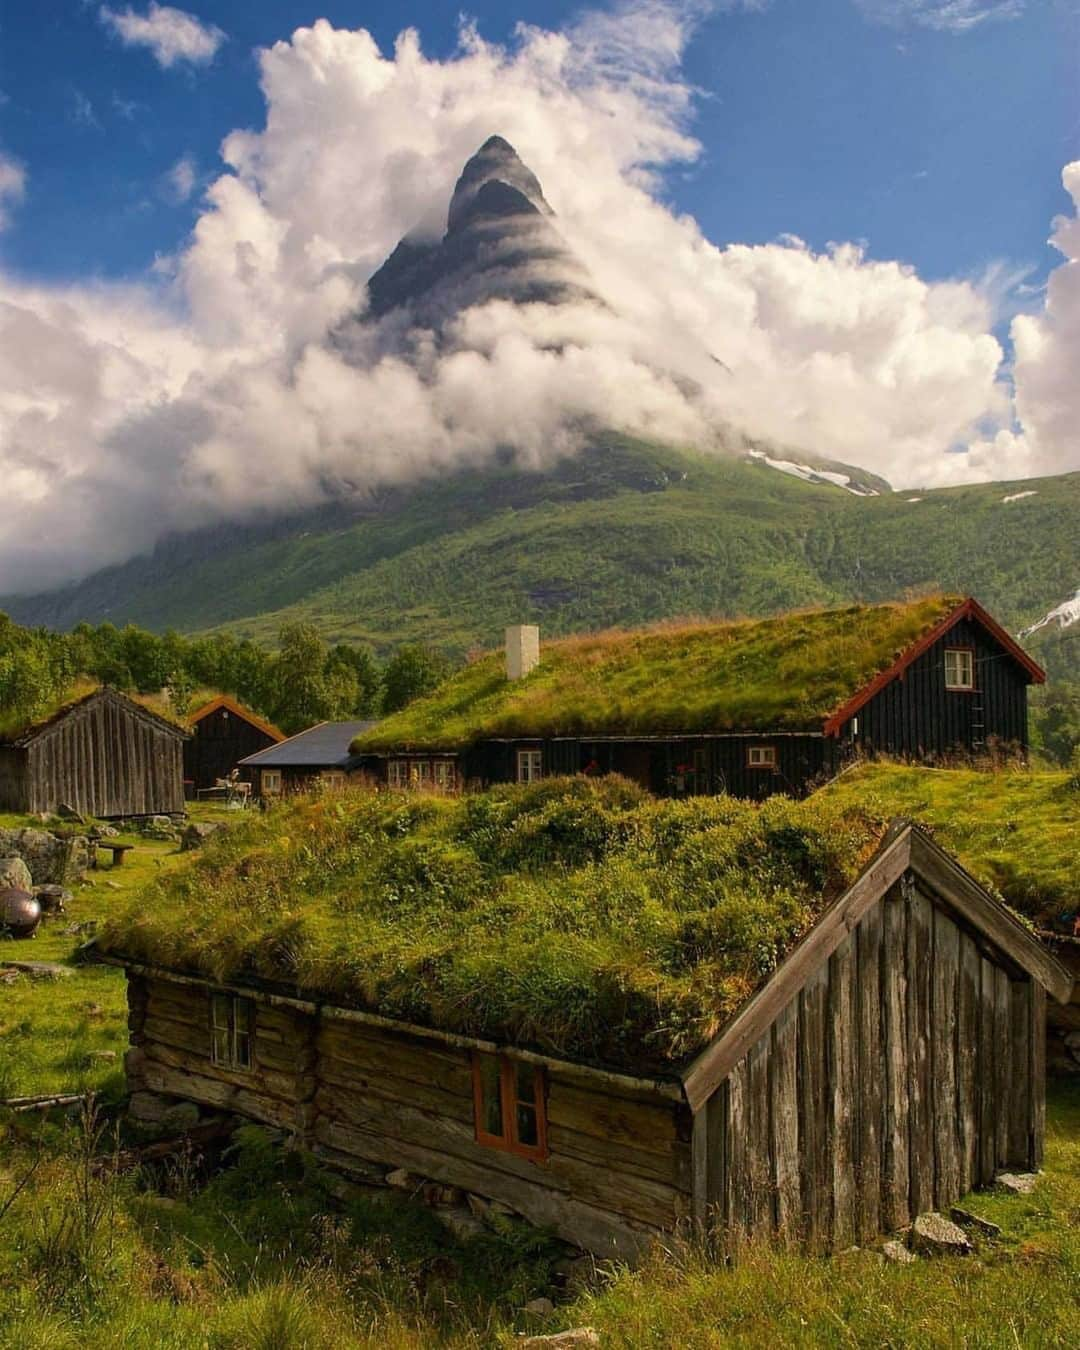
x=937, y=147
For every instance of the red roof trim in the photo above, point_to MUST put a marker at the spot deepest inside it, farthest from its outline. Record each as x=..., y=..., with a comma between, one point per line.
x=224, y=701
x=969, y=609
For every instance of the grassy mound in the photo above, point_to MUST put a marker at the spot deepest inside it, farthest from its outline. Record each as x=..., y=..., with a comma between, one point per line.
x=581, y=917
x=788, y=673
x=1017, y=831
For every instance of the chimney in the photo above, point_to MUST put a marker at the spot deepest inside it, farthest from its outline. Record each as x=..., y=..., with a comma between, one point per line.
x=522, y=650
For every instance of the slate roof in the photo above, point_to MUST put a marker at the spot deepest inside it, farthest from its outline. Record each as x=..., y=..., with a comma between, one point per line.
x=324, y=746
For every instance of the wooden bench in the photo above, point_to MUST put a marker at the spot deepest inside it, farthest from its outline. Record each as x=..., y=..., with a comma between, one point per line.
x=117, y=851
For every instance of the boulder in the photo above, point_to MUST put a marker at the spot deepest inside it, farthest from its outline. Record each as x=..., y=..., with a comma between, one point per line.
x=577, y=1339
x=539, y=1307
x=464, y=1225
x=966, y=1219
x=401, y=1180
x=15, y=875
x=935, y=1235
x=197, y=833
x=50, y=858
x=1017, y=1183
x=66, y=812
x=896, y=1251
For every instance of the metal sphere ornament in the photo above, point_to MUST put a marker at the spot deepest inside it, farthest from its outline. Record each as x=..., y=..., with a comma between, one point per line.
x=20, y=913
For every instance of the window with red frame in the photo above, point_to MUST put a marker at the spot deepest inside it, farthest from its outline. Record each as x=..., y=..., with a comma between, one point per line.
x=509, y=1105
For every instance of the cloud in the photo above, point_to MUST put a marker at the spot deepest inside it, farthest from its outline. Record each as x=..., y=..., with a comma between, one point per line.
x=12, y=187
x=241, y=376
x=82, y=110
x=949, y=16
x=172, y=35
x=179, y=183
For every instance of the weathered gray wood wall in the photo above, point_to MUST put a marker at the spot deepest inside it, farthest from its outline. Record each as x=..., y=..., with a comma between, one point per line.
x=908, y=1070
x=619, y=1164
x=104, y=757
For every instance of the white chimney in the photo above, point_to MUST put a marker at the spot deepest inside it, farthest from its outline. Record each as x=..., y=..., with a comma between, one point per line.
x=522, y=650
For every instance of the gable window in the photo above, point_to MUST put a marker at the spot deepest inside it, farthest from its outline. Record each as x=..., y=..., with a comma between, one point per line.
x=959, y=668
x=530, y=765
x=270, y=781
x=508, y=1099
x=232, y=1021
x=761, y=756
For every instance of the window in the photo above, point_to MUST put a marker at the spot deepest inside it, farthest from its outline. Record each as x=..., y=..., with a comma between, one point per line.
x=529, y=766
x=270, y=781
x=333, y=779
x=508, y=1097
x=445, y=778
x=959, y=668
x=397, y=773
x=761, y=756
x=231, y=1023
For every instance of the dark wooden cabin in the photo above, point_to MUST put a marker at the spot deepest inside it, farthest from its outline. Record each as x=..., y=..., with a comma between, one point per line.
x=320, y=756
x=104, y=755
x=893, y=1061
x=956, y=687
x=223, y=732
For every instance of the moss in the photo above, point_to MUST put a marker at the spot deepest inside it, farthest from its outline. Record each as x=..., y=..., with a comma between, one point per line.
x=787, y=673
x=578, y=916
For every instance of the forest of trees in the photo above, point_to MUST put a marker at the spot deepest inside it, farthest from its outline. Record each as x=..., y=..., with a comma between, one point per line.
x=304, y=681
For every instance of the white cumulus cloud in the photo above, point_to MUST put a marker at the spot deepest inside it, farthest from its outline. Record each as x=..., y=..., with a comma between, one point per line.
x=172, y=35
x=224, y=385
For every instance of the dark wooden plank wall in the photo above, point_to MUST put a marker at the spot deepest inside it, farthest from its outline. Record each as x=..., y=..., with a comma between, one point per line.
x=906, y=1072
x=619, y=1166
x=219, y=741
x=917, y=715
x=13, y=786
x=104, y=759
x=802, y=762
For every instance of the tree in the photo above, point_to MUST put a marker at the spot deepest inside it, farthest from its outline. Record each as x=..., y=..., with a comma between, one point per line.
x=303, y=695
x=359, y=662
x=410, y=672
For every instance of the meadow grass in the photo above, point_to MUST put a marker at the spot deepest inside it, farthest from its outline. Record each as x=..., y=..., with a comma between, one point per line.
x=789, y=672
x=579, y=916
x=1016, y=830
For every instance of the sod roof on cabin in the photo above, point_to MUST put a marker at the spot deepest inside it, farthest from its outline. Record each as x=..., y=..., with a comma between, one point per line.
x=787, y=673
x=582, y=918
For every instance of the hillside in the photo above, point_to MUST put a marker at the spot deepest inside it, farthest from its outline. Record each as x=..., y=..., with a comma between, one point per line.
x=626, y=533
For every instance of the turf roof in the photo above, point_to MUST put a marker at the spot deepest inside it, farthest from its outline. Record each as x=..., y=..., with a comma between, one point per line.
x=582, y=918
x=786, y=673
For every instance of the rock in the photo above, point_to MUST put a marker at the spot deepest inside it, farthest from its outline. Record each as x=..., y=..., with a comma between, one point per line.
x=897, y=1252
x=101, y=1057
x=180, y=1116
x=52, y=898
x=968, y=1220
x=114, y=886
x=197, y=833
x=539, y=1307
x=15, y=875
x=479, y=1208
x=576, y=1339
x=1017, y=1183
x=66, y=812
x=464, y=1225
x=41, y=970
x=433, y=1193
x=147, y=1106
x=50, y=858
x=401, y=1180
x=935, y=1235
x=1072, y=1040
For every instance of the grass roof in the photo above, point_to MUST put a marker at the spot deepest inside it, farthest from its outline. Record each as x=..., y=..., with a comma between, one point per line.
x=583, y=918
x=1016, y=830
x=784, y=673
x=16, y=724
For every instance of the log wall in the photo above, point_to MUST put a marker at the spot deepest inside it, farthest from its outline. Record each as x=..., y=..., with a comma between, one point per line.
x=618, y=1168
x=907, y=1071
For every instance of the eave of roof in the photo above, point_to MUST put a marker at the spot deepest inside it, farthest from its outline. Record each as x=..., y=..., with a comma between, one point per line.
x=968, y=609
x=314, y=748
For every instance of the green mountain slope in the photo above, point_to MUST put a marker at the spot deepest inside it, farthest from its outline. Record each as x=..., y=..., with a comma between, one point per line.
x=627, y=533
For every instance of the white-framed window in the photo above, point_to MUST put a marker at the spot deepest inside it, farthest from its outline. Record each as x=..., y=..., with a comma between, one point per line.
x=397, y=773
x=270, y=782
x=761, y=756
x=530, y=766
x=445, y=777
x=333, y=779
x=232, y=1023
x=959, y=668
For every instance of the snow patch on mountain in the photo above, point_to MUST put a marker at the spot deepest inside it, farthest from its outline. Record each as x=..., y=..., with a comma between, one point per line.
x=1064, y=615
x=809, y=475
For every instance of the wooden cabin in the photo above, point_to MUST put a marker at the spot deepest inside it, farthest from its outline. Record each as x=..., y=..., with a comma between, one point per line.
x=223, y=732
x=751, y=708
x=321, y=756
x=102, y=755
x=893, y=1060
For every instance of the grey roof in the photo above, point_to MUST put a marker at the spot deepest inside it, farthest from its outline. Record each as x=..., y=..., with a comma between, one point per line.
x=325, y=746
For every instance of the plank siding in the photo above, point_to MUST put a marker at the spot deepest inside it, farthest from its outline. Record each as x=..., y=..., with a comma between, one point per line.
x=905, y=1071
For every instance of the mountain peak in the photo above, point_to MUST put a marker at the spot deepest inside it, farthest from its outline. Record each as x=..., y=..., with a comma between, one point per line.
x=495, y=161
